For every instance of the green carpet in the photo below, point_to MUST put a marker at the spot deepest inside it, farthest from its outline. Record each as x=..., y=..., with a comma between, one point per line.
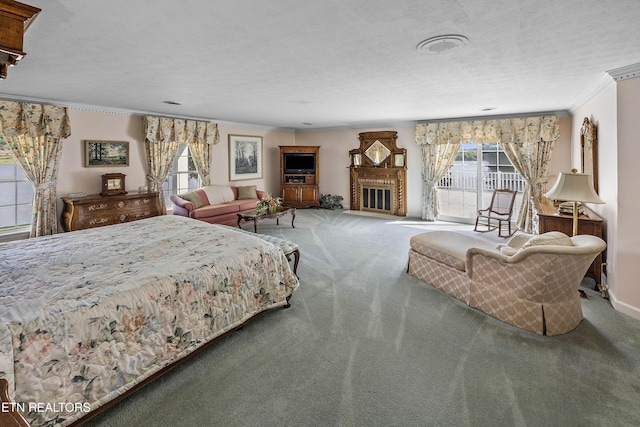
x=365, y=344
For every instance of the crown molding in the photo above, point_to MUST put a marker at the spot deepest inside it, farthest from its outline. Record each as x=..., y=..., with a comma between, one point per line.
x=71, y=105
x=605, y=81
x=626, y=72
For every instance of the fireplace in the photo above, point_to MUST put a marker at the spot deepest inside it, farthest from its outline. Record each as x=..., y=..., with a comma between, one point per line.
x=378, y=174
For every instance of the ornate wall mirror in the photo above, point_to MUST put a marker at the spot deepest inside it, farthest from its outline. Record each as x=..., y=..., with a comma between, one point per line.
x=589, y=150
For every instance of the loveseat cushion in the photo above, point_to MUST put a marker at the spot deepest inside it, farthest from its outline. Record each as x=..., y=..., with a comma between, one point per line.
x=246, y=205
x=214, y=210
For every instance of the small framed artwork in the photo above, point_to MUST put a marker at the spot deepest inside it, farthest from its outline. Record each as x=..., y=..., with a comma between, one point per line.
x=245, y=157
x=106, y=153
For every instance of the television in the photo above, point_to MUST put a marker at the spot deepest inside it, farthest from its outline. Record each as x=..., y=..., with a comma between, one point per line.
x=302, y=163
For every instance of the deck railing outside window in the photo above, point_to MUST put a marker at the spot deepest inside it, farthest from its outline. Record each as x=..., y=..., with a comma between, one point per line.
x=468, y=180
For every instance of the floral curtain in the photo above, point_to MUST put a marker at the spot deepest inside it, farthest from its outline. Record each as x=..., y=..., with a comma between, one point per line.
x=439, y=145
x=528, y=143
x=35, y=132
x=204, y=136
x=162, y=137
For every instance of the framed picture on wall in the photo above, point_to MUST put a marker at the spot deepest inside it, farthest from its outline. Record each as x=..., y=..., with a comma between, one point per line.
x=589, y=150
x=106, y=153
x=245, y=157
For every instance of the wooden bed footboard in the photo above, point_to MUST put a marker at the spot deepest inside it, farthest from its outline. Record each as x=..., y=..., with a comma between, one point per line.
x=9, y=416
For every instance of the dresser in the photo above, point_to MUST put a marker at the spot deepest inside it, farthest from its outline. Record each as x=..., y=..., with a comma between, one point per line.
x=588, y=223
x=96, y=210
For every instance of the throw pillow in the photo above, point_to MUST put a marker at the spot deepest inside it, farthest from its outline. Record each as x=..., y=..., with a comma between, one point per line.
x=552, y=238
x=194, y=198
x=247, y=192
x=506, y=250
x=218, y=194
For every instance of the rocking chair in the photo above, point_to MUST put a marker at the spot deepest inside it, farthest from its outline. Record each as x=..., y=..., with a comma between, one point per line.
x=498, y=214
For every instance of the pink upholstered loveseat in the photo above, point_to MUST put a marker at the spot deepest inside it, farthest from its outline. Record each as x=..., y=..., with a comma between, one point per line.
x=217, y=204
x=531, y=282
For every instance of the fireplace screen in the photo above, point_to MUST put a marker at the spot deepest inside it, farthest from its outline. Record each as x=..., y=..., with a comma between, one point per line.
x=377, y=199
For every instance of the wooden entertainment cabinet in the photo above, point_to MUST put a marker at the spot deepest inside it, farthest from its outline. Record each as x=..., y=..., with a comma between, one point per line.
x=300, y=190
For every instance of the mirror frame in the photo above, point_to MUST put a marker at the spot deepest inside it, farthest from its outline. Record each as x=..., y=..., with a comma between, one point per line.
x=589, y=150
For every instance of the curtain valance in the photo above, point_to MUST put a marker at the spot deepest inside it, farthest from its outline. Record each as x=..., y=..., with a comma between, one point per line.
x=33, y=120
x=163, y=135
x=507, y=131
x=166, y=129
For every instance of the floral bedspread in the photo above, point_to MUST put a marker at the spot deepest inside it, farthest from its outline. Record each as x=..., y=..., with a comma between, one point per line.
x=84, y=316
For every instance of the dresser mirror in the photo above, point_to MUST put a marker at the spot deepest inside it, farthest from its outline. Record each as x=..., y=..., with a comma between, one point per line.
x=589, y=150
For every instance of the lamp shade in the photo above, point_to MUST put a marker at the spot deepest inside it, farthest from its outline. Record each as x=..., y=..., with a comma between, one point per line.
x=574, y=187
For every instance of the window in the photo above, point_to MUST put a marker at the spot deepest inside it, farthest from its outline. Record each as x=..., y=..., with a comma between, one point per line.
x=16, y=193
x=182, y=176
x=477, y=170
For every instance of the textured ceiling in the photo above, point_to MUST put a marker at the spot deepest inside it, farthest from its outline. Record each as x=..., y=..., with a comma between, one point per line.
x=330, y=63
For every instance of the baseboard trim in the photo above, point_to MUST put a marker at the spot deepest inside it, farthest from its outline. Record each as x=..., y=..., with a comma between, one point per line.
x=624, y=308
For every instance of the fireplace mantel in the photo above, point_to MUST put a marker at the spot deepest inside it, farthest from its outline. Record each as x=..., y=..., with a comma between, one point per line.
x=378, y=174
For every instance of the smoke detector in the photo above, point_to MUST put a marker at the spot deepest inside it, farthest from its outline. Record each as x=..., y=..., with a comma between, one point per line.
x=442, y=44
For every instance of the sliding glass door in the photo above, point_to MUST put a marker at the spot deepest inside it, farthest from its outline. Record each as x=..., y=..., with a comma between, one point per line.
x=477, y=170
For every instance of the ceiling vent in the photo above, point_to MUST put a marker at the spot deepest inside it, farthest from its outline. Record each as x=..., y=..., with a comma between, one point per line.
x=442, y=44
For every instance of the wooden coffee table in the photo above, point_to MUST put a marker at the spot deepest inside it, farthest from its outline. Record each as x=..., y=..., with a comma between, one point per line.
x=255, y=216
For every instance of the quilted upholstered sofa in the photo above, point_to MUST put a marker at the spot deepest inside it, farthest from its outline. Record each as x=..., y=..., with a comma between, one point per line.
x=531, y=282
x=216, y=204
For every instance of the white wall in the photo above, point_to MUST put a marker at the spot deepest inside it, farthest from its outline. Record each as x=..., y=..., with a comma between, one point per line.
x=626, y=271
x=615, y=110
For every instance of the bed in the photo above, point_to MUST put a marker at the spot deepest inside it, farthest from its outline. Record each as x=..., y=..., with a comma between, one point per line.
x=87, y=316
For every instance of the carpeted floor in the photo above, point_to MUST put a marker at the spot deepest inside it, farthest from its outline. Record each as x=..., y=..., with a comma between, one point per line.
x=365, y=344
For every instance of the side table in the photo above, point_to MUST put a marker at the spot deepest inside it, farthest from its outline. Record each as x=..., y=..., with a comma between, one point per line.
x=589, y=223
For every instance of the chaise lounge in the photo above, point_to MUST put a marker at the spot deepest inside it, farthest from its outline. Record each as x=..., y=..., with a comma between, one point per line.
x=531, y=282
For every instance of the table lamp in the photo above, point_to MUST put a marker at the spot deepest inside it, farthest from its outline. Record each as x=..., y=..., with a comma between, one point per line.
x=574, y=187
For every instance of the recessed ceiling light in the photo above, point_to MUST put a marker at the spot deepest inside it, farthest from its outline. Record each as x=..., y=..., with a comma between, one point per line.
x=172, y=102
x=442, y=44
